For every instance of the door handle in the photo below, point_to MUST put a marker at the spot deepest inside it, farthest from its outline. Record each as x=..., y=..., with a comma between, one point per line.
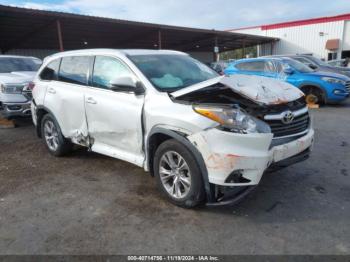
x=51, y=90
x=90, y=100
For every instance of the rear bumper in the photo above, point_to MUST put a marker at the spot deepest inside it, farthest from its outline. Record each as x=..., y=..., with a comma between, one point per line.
x=12, y=110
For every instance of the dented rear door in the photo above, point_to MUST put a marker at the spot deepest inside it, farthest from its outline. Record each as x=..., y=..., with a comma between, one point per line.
x=65, y=97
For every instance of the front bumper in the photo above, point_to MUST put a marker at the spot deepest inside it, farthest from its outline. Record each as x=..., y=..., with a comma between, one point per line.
x=235, y=163
x=241, y=159
x=11, y=110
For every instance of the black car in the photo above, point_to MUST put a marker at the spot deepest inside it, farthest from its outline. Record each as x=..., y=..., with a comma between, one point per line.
x=319, y=65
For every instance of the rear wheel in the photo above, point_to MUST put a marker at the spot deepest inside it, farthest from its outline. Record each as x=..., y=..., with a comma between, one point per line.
x=55, y=142
x=178, y=175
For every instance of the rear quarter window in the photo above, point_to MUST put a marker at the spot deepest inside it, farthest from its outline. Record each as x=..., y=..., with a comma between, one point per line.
x=50, y=72
x=74, y=70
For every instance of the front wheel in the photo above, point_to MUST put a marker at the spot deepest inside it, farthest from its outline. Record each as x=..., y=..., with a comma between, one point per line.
x=178, y=175
x=54, y=140
x=313, y=96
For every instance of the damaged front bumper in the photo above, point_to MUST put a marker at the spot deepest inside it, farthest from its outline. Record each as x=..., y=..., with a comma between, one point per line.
x=240, y=160
x=12, y=110
x=15, y=105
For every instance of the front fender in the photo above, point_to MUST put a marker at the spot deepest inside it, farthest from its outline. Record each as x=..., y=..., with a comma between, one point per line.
x=181, y=137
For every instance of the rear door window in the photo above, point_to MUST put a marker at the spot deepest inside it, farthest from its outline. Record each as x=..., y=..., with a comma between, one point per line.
x=256, y=66
x=106, y=69
x=50, y=72
x=74, y=69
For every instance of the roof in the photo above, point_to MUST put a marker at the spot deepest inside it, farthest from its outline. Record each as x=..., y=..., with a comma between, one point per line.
x=39, y=29
x=110, y=51
x=311, y=21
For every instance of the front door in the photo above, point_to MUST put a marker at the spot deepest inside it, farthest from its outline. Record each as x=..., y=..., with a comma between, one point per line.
x=114, y=118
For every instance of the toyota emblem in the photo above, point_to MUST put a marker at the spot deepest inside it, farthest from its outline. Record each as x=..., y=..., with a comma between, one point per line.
x=287, y=117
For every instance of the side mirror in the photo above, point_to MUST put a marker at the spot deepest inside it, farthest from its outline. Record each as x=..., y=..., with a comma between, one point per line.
x=312, y=66
x=127, y=84
x=288, y=71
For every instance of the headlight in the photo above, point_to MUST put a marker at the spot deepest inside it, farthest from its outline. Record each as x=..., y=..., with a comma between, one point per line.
x=333, y=80
x=233, y=119
x=11, y=89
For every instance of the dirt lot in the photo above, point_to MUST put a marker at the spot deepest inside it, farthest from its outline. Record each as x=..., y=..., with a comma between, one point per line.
x=91, y=204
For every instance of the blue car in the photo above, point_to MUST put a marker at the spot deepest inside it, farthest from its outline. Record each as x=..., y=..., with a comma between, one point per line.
x=318, y=86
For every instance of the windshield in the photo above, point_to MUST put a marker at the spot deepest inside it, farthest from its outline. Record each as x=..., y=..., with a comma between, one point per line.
x=169, y=73
x=298, y=66
x=13, y=64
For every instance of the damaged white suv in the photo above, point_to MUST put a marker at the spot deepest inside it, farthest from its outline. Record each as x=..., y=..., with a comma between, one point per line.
x=205, y=137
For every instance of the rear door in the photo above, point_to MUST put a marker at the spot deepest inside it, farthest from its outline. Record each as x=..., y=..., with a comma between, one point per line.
x=114, y=117
x=65, y=97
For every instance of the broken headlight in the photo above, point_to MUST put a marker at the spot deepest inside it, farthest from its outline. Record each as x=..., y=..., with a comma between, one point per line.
x=233, y=119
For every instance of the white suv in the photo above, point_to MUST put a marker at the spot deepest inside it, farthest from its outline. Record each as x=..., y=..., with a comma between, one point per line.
x=205, y=137
x=16, y=74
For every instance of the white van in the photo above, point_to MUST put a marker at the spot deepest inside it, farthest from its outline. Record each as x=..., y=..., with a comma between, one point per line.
x=205, y=137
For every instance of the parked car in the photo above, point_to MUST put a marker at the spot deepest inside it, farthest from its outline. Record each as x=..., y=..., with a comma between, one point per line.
x=319, y=65
x=203, y=136
x=16, y=74
x=338, y=63
x=318, y=86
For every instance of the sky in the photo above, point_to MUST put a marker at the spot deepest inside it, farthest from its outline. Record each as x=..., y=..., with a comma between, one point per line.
x=209, y=14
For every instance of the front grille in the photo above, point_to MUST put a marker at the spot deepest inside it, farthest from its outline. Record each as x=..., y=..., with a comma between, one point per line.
x=298, y=125
x=28, y=94
x=347, y=86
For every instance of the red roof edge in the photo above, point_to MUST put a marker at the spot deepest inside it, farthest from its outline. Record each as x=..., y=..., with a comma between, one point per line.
x=310, y=21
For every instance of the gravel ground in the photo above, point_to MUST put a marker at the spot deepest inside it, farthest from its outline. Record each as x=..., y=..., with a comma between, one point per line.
x=92, y=204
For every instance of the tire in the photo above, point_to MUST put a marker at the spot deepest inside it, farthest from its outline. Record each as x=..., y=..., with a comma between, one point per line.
x=314, y=96
x=182, y=184
x=52, y=135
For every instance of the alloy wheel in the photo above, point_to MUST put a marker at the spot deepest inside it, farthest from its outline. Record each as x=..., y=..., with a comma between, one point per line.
x=51, y=135
x=175, y=174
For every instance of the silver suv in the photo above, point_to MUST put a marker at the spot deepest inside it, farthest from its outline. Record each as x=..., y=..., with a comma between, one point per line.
x=16, y=74
x=205, y=137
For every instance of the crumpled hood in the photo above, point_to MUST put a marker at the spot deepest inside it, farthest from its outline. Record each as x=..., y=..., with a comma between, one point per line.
x=17, y=77
x=256, y=88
